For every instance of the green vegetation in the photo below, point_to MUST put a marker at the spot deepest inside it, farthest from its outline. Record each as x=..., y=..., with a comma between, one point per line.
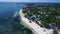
x=49, y=14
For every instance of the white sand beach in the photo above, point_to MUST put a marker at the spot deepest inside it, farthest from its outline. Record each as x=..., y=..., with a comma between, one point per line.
x=33, y=26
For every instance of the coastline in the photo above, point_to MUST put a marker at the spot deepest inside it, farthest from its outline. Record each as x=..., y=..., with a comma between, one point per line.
x=33, y=26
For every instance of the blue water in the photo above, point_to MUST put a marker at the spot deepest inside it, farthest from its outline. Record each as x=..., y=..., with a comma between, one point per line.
x=8, y=23
x=8, y=9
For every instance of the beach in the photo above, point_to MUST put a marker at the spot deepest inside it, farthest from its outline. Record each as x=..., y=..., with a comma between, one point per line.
x=33, y=26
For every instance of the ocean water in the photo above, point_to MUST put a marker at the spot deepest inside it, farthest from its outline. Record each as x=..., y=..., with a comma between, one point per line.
x=10, y=20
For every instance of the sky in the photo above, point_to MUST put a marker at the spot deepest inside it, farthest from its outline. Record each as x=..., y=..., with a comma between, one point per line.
x=42, y=1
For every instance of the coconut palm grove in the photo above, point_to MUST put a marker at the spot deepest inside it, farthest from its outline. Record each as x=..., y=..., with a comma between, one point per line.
x=47, y=16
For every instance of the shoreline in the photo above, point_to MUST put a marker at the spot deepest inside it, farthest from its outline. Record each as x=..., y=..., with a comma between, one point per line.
x=33, y=26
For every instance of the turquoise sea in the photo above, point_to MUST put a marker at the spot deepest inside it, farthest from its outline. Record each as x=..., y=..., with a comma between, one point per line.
x=10, y=20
